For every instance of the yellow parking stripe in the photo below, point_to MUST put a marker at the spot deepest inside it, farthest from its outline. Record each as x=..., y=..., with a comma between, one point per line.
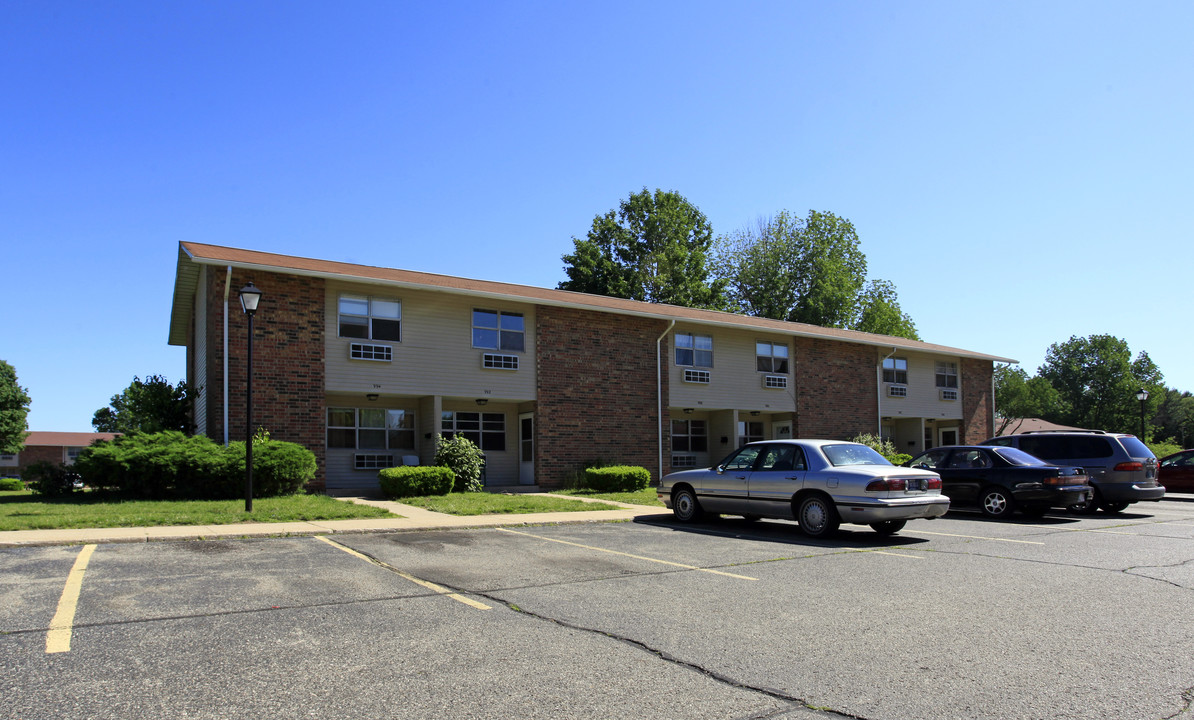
x=58, y=638
x=406, y=576
x=884, y=552
x=636, y=557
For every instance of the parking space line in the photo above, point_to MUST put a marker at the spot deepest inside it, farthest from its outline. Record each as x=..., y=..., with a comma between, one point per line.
x=407, y=576
x=636, y=557
x=884, y=552
x=979, y=537
x=61, y=627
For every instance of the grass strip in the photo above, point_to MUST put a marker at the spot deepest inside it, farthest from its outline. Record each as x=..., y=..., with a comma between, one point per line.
x=481, y=503
x=645, y=496
x=23, y=511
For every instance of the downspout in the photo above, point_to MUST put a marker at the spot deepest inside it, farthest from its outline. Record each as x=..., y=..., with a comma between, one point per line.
x=227, y=290
x=659, y=393
x=879, y=390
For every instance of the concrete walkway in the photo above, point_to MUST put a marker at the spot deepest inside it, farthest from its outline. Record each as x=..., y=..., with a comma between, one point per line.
x=412, y=518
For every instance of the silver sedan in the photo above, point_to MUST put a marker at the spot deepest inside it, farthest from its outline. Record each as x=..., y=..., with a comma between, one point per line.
x=818, y=483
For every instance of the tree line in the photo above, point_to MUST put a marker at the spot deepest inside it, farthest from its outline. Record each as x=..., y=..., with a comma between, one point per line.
x=1093, y=383
x=658, y=247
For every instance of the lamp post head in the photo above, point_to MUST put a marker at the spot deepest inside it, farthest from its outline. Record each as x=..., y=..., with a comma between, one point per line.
x=249, y=297
x=1142, y=395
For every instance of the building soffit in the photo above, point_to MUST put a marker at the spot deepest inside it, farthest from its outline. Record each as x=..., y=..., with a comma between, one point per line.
x=192, y=255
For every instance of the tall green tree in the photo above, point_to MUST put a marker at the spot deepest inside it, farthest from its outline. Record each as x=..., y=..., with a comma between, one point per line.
x=1018, y=396
x=1174, y=417
x=14, y=411
x=1097, y=381
x=808, y=270
x=654, y=247
x=149, y=406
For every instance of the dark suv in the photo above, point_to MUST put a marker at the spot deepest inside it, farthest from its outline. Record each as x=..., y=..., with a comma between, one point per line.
x=1122, y=469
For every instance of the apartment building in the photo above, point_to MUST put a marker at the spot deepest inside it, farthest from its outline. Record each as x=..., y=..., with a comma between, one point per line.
x=367, y=365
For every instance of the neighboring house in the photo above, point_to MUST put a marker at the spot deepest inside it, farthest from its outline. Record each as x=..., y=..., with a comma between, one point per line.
x=60, y=448
x=1019, y=426
x=366, y=365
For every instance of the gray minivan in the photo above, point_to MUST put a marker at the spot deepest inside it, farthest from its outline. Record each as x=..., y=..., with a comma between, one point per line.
x=1122, y=469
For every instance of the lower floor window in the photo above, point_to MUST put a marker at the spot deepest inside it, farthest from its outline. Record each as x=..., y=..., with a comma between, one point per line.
x=486, y=430
x=371, y=429
x=749, y=431
x=689, y=436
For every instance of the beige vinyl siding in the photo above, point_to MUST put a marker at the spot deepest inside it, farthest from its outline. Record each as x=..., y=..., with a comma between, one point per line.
x=199, y=337
x=435, y=355
x=924, y=398
x=734, y=381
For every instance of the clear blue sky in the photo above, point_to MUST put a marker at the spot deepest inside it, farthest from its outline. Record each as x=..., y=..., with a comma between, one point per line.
x=1022, y=171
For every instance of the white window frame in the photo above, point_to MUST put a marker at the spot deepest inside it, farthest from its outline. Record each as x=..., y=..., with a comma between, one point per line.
x=397, y=428
x=895, y=370
x=503, y=336
x=688, y=354
x=775, y=364
x=377, y=311
x=695, y=435
x=947, y=374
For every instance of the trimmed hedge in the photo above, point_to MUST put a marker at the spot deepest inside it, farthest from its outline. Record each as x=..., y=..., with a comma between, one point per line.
x=11, y=483
x=172, y=465
x=618, y=478
x=412, y=481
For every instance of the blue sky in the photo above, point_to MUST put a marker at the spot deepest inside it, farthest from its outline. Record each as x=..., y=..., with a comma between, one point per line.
x=1020, y=170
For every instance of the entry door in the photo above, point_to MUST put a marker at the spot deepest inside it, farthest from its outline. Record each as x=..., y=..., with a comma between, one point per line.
x=526, y=449
x=781, y=430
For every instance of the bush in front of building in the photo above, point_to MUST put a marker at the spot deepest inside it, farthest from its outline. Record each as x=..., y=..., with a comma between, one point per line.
x=11, y=483
x=884, y=447
x=413, y=481
x=617, y=478
x=465, y=460
x=173, y=465
x=49, y=479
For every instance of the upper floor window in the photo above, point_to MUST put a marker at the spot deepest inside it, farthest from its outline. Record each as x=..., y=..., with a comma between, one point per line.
x=771, y=357
x=694, y=350
x=370, y=318
x=947, y=375
x=895, y=370
x=494, y=330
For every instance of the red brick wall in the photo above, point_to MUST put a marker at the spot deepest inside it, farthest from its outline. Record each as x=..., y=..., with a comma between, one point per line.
x=288, y=367
x=30, y=454
x=977, y=404
x=596, y=390
x=835, y=389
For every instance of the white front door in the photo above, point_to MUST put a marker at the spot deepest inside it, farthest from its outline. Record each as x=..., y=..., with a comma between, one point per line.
x=781, y=430
x=526, y=449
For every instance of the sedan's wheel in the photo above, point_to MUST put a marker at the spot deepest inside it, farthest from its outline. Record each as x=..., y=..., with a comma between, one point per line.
x=888, y=527
x=1093, y=498
x=817, y=516
x=685, y=506
x=996, y=502
x=1115, y=507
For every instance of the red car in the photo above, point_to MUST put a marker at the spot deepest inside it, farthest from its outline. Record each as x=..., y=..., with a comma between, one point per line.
x=1176, y=471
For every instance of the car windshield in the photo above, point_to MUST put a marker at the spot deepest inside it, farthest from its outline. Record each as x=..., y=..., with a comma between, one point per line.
x=852, y=454
x=1018, y=457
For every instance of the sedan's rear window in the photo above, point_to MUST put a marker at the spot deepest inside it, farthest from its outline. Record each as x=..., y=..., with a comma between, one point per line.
x=852, y=454
x=1018, y=457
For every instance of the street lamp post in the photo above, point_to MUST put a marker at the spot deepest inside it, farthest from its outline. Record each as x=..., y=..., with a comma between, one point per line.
x=249, y=297
x=1142, y=396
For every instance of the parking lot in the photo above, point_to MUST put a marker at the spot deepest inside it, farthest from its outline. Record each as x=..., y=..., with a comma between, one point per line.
x=1060, y=617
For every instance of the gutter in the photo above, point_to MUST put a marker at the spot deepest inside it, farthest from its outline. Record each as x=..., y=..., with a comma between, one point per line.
x=659, y=394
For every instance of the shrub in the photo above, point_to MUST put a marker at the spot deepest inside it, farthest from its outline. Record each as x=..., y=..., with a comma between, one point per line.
x=463, y=457
x=279, y=468
x=11, y=483
x=411, y=481
x=884, y=447
x=617, y=478
x=49, y=479
x=172, y=465
x=1161, y=448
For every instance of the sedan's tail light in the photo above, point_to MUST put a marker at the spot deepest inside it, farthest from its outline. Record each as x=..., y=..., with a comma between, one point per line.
x=1129, y=466
x=886, y=485
x=935, y=483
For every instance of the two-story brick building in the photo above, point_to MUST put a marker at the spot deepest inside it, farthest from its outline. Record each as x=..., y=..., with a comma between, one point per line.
x=366, y=365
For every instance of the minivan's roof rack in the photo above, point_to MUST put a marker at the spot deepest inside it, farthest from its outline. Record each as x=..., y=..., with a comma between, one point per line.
x=1063, y=432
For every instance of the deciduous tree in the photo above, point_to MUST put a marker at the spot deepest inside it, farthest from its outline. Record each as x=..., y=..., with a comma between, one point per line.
x=14, y=411
x=148, y=406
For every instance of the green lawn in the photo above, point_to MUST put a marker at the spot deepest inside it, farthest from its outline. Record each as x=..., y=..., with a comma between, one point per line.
x=641, y=497
x=481, y=503
x=22, y=511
